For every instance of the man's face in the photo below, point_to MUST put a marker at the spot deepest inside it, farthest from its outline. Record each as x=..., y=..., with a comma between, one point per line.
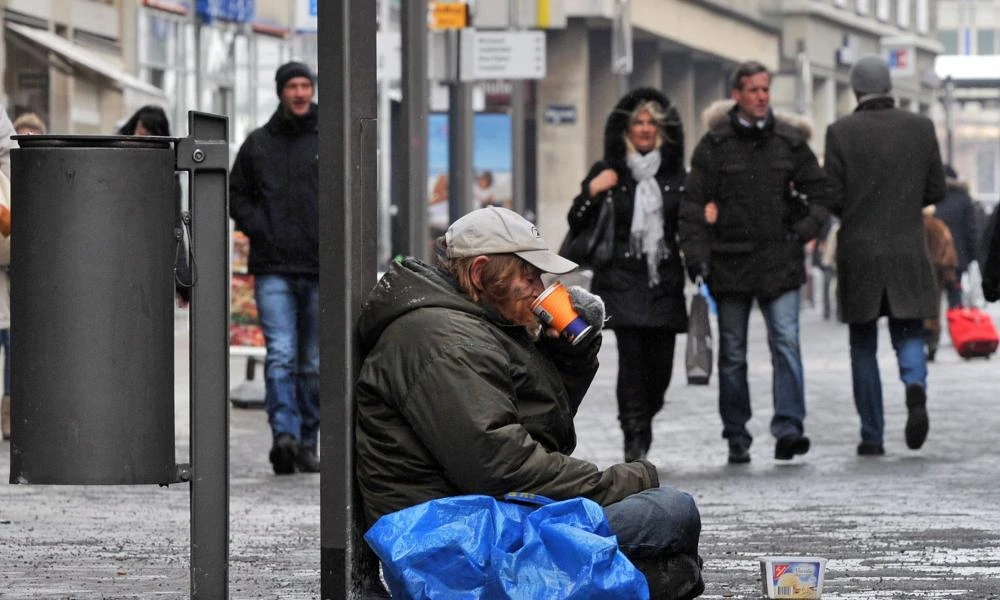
x=754, y=97
x=297, y=95
x=522, y=290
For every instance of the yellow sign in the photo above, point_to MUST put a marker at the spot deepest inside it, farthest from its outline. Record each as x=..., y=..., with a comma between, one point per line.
x=448, y=15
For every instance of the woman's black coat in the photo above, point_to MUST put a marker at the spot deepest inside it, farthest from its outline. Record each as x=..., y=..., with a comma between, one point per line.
x=624, y=284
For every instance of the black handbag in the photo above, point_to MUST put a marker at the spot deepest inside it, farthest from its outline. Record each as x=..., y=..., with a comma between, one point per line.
x=698, y=354
x=593, y=244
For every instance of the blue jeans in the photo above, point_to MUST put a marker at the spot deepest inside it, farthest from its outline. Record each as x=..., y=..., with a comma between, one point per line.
x=5, y=345
x=654, y=522
x=907, y=337
x=289, y=316
x=781, y=315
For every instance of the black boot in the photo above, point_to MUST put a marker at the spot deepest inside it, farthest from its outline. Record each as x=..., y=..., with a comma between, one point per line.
x=638, y=438
x=675, y=577
x=916, y=420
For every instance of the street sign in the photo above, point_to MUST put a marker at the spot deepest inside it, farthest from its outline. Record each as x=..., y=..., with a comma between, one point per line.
x=502, y=55
x=448, y=15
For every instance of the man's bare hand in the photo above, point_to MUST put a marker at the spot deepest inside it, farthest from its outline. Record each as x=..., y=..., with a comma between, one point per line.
x=711, y=213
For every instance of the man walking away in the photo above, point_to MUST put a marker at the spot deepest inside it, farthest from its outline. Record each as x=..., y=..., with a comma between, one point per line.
x=273, y=191
x=749, y=209
x=959, y=214
x=884, y=167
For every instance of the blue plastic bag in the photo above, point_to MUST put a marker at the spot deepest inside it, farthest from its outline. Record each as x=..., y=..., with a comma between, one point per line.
x=478, y=547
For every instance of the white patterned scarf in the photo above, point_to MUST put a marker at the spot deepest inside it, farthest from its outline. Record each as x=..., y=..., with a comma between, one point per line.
x=647, y=212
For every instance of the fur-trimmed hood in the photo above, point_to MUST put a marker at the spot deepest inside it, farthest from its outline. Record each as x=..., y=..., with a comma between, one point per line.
x=672, y=150
x=718, y=113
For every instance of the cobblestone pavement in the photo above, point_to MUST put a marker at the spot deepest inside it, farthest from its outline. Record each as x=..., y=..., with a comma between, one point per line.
x=921, y=524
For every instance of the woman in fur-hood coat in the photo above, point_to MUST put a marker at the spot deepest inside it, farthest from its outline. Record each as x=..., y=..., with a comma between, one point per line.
x=642, y=176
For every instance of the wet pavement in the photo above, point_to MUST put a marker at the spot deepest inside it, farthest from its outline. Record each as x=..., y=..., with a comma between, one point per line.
x=911, y=524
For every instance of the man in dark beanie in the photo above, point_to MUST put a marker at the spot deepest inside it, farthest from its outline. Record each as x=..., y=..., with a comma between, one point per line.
x=884, y=166
x=273, y=198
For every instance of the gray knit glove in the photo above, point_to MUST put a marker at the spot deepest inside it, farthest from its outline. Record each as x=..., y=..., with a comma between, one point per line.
x=590, y=306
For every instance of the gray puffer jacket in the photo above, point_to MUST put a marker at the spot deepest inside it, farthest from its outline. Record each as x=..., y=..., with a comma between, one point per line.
x=452, y=400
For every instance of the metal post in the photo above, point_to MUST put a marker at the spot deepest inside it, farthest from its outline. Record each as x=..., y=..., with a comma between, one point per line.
x=461, y=174
x=347, y=203
x=949, y=119
x=205, y=153
x=385, y=152
x=412, y=203
x=517, y=141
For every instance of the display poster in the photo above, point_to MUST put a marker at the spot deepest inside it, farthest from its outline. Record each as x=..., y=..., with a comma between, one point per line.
x=491, y=161
x=244, y=325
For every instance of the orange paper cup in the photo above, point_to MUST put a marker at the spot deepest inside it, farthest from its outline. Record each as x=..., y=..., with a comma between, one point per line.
x=554, y=309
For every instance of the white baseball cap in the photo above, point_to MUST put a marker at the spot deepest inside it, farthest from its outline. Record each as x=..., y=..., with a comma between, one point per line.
x=496, y=230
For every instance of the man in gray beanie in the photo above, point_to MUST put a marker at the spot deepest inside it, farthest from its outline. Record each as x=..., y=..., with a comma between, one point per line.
x=884, y=166
x=273, y=198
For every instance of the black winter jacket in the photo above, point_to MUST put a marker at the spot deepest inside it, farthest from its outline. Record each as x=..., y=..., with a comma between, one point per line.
x=624, y=284
x=273, y=195
x=756, y=244
x=452, y=399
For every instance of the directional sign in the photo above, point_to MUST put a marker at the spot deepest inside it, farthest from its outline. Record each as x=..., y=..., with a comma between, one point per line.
x=448, y=15
x=502, y=55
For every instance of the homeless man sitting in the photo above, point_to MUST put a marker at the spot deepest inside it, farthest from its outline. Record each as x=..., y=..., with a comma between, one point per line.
x=462, y=391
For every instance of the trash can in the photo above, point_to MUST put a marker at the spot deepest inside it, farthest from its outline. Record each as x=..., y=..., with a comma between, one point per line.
x=92, y=296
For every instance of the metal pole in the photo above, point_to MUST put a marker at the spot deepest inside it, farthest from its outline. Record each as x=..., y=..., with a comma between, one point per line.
x=461, y=174
x=348, y=178
x=517, y=142
x=384, y=152
x=949, y=119
x=412, y=201
x=205, y=154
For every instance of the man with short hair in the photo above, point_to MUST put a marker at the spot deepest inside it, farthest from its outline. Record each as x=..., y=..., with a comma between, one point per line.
x=749, y=208
x=884, y=167
x=462, y=391
x=273, y=198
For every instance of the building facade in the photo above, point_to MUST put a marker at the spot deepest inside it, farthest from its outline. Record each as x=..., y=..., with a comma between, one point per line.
x=86, y=65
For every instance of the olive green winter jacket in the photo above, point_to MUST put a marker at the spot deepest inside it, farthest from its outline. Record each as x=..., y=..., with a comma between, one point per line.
x=452, y=400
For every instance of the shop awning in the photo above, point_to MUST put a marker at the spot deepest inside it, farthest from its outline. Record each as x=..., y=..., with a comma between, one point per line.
x=81, y=58
x=969, y=71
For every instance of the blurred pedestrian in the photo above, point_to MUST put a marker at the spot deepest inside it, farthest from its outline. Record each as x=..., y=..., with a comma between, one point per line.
x=826, y=246
x=959, y=213
x=274, y=198
x=944, y=260
x=991, y=266
x=462, y=392
x=643, y=286
x=884, y=167
x=151, y=120
x=30, y=124
x=5, y=402
x=6, y=145
x=750, y=206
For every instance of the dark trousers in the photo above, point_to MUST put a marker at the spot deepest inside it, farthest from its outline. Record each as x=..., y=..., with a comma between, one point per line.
x=645, y=363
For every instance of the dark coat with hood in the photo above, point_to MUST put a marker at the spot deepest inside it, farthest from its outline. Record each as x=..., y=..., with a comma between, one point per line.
x=884, y=167
x=959, y=214
x=452, y=399
x=624, y=284
x=274, y=194
x=756, y=245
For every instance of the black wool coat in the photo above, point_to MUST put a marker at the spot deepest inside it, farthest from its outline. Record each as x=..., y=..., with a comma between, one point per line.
x=756, y=245
x=884, y=167
x=624, y=284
